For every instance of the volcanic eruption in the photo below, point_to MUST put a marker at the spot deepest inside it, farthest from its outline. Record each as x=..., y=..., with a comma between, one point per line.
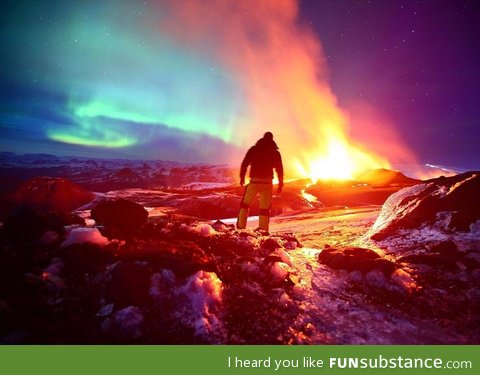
x=279, y=65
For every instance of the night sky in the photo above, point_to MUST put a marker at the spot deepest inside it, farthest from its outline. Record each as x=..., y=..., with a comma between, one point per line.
x=416, y=61
x=199, y=81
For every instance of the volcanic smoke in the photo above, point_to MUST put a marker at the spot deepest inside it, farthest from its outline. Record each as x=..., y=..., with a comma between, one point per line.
x=280, y=66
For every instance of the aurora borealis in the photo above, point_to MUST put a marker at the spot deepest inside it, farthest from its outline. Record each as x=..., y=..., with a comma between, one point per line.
x=199, y=81
x=97, y=74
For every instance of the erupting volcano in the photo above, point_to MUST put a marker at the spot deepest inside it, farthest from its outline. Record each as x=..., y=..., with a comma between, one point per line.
x=280, y=68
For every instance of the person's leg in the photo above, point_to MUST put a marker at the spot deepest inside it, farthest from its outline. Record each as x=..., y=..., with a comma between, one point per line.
x=248, y=197
x=265, y=201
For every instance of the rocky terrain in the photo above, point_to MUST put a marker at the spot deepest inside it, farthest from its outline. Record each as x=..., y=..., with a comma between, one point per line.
x=396, y=262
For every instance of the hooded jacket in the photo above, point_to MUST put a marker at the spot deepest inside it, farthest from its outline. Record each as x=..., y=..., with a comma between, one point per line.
x=263, y=157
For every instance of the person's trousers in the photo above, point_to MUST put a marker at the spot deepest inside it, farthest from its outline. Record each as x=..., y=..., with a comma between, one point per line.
x=264, y=190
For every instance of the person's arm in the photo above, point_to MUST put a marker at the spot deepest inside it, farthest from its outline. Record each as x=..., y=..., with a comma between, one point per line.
x=279, y=169
x=243, y=168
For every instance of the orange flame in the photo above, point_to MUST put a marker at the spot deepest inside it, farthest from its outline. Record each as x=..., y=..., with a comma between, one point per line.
x=338, y=161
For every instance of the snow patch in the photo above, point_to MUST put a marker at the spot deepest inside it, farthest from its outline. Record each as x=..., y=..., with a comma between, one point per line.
x=105, y=310
x=205, y=230
x=85, y=235
x=161, y=282
x=203, y=290
x=129, y=320
x=398, y=205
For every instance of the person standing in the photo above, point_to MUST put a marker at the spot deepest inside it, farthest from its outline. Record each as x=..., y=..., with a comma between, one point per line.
x=262, y=158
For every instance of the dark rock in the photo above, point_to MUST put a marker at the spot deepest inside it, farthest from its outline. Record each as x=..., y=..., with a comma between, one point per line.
x=24, y=225
x=81, y=259
x=245, y=234
x=442, y=255
x=220, y=226
x=272, y=258
x=129, y=284
x=290, y=237
x=4, y=308
x=462, y=220
x=18, y=336
x=122, y=215
x=445, y=248
x=56, y=221
x=355, y=259
x=184, y=258
x=271, y=244
x=434, y=260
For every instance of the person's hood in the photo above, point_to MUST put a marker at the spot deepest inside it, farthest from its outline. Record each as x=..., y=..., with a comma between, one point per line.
x=266, y=143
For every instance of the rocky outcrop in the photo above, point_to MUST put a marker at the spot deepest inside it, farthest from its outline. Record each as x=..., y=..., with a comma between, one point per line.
x=447, y=203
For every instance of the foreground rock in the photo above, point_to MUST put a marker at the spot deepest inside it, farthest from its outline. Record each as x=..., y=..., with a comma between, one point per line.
x=26, y=224
x=129, y=284
x=355, y=259
x=446, y=203
x=120, y=215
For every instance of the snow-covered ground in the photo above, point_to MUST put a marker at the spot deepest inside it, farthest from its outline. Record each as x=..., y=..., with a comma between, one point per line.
x=341, y=307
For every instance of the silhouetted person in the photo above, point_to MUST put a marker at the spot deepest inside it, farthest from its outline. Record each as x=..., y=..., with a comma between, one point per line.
x=263, y=158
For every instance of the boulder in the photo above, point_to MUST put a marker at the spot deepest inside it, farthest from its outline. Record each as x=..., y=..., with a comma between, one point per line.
x=271, y=244
x=448, y=203
x=355, y=259
x=120, y=214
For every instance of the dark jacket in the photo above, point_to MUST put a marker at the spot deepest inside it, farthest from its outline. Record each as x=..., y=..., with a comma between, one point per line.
x=263, y=158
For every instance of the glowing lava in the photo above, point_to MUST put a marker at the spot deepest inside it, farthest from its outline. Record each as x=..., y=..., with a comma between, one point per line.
x=338, y=161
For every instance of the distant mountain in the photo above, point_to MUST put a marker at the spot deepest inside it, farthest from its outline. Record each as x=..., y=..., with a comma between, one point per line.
x=126, y=175
x=110, y=174
x=385, y=177
x=52, y=194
